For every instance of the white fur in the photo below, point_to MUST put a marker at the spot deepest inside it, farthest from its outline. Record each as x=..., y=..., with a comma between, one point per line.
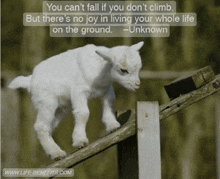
x=72, y=78
x=21, y=82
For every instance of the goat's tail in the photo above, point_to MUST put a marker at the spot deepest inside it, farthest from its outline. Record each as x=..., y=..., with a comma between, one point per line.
x=21, y=82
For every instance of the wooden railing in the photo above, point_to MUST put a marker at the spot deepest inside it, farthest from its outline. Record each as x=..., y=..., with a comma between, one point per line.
x=128, y=119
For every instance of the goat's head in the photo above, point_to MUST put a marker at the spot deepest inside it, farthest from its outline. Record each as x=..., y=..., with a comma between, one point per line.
x=126, y=64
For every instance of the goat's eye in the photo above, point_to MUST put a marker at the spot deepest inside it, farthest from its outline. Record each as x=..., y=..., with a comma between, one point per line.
x=124, y=70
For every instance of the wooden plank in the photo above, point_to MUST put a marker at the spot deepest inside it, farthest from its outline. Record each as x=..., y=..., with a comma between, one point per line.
x=183, y=101
x=207, y=74
x=129, y=129
x=121, y=134
x=189, y=83
x=148, y=133
x=218, y=137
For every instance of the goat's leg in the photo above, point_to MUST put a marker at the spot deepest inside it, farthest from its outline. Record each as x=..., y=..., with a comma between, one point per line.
x=108, y=117
x=81, y=113
x=44, y=128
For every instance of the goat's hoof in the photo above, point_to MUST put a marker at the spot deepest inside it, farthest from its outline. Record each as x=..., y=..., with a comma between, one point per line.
x=81, y=144
x=111, y=127
x=58, y=155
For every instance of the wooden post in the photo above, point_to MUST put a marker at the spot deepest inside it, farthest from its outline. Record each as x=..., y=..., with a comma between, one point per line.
x=218, y=136
x=148, y=133
x=139, y=155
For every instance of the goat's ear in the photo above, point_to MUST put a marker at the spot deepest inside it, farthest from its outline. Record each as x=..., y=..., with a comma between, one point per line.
x=137, y=46
x=106, y=55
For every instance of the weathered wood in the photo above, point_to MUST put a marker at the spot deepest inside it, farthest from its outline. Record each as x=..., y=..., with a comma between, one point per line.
x=189, y=83
x=124, y=132
x=148, y=136
x=129, y=129
x=183, y=101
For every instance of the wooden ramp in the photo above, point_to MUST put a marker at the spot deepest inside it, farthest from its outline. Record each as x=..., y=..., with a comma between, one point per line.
x=146, y=129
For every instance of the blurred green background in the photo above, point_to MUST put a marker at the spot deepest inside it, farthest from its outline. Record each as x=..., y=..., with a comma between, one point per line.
x=188, y=138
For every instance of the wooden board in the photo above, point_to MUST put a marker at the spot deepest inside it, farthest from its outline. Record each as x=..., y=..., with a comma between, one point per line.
x=189, y=83
x=148, y=135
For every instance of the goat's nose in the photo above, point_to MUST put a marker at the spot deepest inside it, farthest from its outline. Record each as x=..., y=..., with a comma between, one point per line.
x=138, y=83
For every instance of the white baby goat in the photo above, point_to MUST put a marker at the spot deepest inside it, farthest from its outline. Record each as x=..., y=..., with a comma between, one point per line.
x=73, y=77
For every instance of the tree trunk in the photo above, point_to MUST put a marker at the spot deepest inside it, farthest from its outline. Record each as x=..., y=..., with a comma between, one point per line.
x=188, y=34
x=32, y=53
